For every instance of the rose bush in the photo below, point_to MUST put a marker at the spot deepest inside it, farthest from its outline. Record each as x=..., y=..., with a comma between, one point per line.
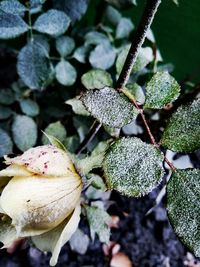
x=40, y=199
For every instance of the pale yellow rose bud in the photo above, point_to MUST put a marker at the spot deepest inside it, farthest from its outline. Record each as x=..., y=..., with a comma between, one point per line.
x=42, y=194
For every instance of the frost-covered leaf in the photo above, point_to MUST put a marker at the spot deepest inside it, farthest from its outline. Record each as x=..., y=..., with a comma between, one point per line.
x=103, y=56
x=133, y=167
x=81, y=53
x=144, y=57
x=33, y=65
x=96, y=181
x=113, y=15
x=77, y=106
x=124, y=28
x=65, y=73
x=79, y=242
x=109, y=107
x=65, y=45
x=43, y=41
x=53, y=22
x=95, y=38
x=183, y=129
x=94, y=160
x=161, y=90
x=96, y=79
x=74, y=9
x=7, y=96
x=137, y=92
x=11, y=25
x=183, y=193
x=29, y=107
x=36, y=5
x=98, y=221
x=24, y=132
x=122, y=3
x=5, y=112
x=13, y=7
x=8, y=233
x=55, y=129
x=5, y=143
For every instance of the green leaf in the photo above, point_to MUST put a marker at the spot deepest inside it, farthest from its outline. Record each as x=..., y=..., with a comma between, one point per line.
x=122, y=3
x=65, y=73
x=74, y=9
x=6, y=145
x=77, y=106
x=29, y=107
x=96, y=181
x=11, y=25
x=98, y=221
x=7, y=97
x=54, y=141
x=161, y=90
x=53, y=22
x=8, y=233
x=33, y=66
x=24, y=132
x=72, y=143
x=5, y=112
x=183, y=129
x=183, y=193
x=65, y=45
x=136, y=92
x=55, y=129
x=95, y=38
x=133, y=167
x=103, y=56
x=13, y=7
x=124, y=28
x=96, y=79
x=81, y=53
x=94, y=160
x=113, y=15
x=144, y=57
x=109, y=107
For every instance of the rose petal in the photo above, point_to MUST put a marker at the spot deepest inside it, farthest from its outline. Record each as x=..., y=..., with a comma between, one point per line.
x=15, y=170
x=45, y=160
x=36, y=204
x=54, y=240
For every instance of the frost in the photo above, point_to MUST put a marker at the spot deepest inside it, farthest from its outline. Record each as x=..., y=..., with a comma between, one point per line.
x=133, y=167
x=183, y=130
x=109, y=107
x=33, y=65
x=65, y=73
x=103, y=56
x=144, y=57
x=5, y=143
x=124, y=28
x=161, y=90
x=24, y=131
x=183, y=194
x=98, y=220
x=65, y=45
x=53, y=22
x=13, y=7
x=11, y=25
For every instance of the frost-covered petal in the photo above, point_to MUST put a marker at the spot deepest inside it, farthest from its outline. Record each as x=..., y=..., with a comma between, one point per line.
x=8, y=233
x=54, y=240
x=44, y=160
x=36, y=204
x=15, y=170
